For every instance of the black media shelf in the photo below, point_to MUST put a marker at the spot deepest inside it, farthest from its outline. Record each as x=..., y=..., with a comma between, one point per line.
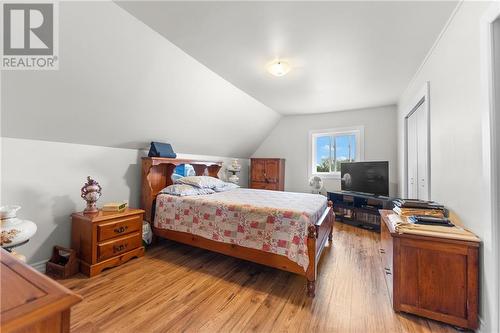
x=359, y=209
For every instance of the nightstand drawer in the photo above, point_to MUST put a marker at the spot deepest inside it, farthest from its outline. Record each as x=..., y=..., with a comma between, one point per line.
x=116, y=247
x=119, y=227
x=106, y=239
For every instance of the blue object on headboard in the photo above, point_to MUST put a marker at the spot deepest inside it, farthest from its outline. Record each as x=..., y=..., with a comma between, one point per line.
x=159, y=149
x=180, y=170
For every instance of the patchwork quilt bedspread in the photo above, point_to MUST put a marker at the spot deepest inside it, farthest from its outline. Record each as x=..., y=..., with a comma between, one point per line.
x=271, y=221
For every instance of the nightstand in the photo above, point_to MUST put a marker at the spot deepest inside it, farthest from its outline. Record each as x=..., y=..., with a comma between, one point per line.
x=106, y=239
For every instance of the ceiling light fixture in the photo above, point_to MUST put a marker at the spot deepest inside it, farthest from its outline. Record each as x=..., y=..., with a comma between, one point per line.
x=278, y=68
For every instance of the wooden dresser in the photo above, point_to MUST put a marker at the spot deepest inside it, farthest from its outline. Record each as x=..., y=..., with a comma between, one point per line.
x=30, y=301
x=267, y=174
x=431, y=277
x=106, y=239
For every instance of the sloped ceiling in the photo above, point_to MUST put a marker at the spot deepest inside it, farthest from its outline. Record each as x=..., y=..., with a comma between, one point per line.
x=121, y=84
x=344, y=54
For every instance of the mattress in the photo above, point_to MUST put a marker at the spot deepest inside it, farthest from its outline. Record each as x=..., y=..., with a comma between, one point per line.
x=271, y=221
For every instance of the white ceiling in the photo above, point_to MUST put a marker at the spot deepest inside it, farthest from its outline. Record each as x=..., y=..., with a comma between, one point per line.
x=344, y=55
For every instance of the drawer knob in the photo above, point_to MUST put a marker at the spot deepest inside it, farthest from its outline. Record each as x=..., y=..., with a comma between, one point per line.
x=120, y=229
x=119, y=248
x=382, y=251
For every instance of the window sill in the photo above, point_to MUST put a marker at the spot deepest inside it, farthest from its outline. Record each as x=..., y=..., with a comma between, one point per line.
x=327, y=175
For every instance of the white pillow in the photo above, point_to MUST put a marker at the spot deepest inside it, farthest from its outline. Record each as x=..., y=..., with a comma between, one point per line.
x=225, y=187
x=200, y=181
x=185, y=190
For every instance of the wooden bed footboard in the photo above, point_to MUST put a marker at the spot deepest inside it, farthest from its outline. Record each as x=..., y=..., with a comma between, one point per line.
x=156, y=174
x=317, y=238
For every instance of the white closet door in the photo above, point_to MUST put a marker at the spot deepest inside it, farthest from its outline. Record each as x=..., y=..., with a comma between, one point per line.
x=422, y=153
x=412, y=157
x=418, y=158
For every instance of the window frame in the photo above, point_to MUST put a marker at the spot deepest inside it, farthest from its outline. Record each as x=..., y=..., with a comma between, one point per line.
x=357, y=131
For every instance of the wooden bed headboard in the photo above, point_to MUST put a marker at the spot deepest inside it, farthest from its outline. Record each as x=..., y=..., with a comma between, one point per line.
x=157, y=174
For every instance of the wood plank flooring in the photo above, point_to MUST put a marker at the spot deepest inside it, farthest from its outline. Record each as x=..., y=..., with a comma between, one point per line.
x=180, y=288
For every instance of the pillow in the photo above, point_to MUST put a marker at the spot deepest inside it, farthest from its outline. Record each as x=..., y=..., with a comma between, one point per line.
x=184, y=190
x=200, y=181
x=225, y=187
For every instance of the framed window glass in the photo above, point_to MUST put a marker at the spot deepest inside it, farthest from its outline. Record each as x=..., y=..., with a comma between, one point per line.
x=331, y=148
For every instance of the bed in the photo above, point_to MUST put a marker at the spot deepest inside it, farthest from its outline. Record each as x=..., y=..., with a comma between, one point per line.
x=284, y=230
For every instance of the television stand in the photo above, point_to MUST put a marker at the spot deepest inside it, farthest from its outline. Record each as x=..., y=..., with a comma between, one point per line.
x=359, y=209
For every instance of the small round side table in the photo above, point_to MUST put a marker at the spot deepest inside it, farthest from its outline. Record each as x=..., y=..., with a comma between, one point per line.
x=15, y=254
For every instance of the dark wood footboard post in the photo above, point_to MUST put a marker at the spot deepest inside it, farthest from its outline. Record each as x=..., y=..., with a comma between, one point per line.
x=311, y=288
x=311, y=269
x=331, y=218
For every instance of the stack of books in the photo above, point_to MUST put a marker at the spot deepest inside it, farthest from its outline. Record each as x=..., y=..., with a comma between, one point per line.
x=412, y=217
x=406, y=208
x=114, y=207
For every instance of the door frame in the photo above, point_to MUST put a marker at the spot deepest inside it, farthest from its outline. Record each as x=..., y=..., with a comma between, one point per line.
x=422, y=98
x=491, y=143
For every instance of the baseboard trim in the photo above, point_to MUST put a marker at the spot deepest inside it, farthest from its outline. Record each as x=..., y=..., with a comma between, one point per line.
x=482, y=327
x=40, y=266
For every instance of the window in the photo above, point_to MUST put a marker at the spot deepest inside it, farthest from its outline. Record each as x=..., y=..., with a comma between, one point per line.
x=330, y=148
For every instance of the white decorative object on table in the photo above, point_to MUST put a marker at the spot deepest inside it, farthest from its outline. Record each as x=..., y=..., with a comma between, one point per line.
x=234, y=169
x=91, y=192
x=316, y=184
x=14, y=231
x=235, y=165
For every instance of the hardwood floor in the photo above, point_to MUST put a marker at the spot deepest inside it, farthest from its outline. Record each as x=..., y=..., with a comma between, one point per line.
x=181, y=288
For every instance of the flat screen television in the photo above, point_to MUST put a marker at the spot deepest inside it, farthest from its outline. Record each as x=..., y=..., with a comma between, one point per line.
x=365, y=177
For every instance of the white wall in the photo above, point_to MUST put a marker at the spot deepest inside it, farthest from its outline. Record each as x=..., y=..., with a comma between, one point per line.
x=45, y=179
x=121, y=84
x=0, y=138
x=290, y=140
x=454, y=71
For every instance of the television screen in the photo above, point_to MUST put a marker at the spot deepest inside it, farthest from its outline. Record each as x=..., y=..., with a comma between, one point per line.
x=366, y=177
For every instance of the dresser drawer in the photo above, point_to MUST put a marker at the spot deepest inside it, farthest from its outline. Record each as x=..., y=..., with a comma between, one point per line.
x=118, y=227
x=264, y=186
x=118, y=246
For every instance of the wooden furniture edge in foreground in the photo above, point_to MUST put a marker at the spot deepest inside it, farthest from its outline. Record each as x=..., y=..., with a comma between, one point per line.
x=31, y=301
x=433, y=277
